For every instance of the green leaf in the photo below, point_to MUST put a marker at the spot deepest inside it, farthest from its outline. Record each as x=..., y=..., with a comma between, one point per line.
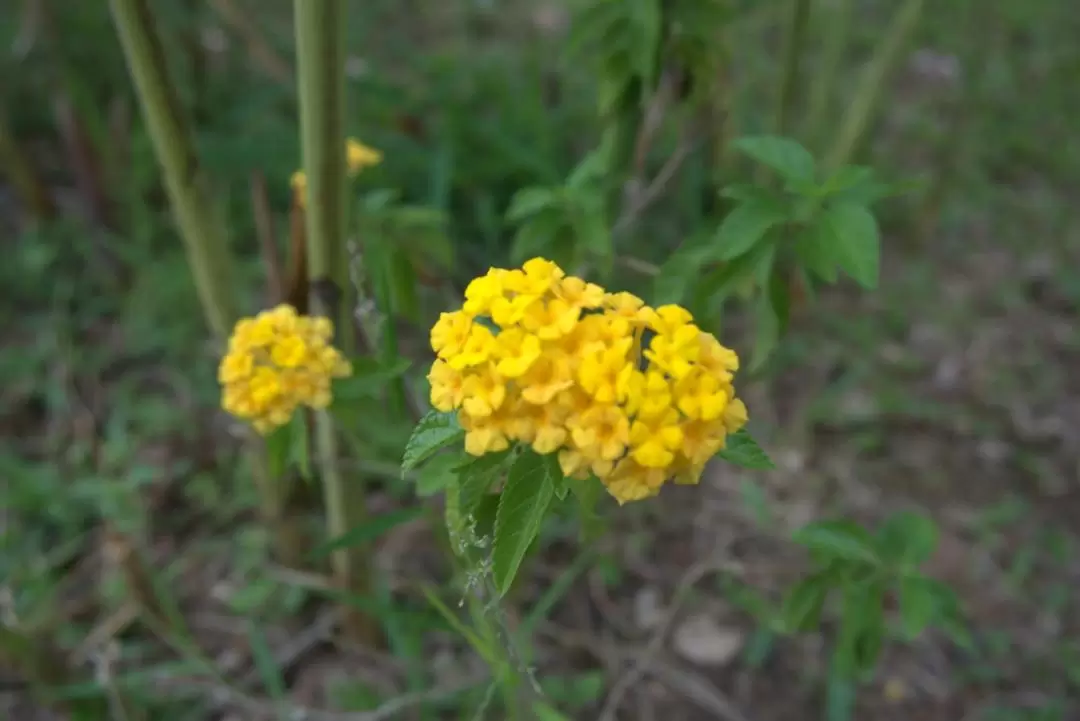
x=438, y=473
x=528, y=202
x=484, y=513
x=530, y=485
x=853, y=236
x=592, y=231
x=788, y=158
x=287, y=446
x=718, y=284
x=682, y=268
x=477, y=475
x=745, y=226
x=804, y=601
x=367, y=531
x=838, y=540
x=267, y=666
x=864, y=609
x=815, y=249
x=749, y=193
x=742, y=450
x=368, y=379
x=537, y=235
x=436, y=430
x=543, y=712
x=907, y=538
x=918, y=605
x=278, y=448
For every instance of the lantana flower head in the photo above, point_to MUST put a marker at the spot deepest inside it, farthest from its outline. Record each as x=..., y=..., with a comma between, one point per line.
x=276, y=362
x=636, y=396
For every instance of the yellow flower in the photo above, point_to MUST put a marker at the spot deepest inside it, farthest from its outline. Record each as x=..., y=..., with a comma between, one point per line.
x=517, y=351
x=479, y=346
x=447, y=386
x=450, y=332
x=359, y=156
x=484, y=393
x=633, y=395
x=277, y=361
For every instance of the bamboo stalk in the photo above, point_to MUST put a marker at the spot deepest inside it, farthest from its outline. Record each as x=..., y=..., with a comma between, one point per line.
x=869, y=92
x=320, y=43
x=200, y=226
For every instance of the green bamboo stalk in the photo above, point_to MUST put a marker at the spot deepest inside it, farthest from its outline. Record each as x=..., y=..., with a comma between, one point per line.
x=201, y=228
x=869, y=93
x=836, y=44
x=794, y=45
x=320, y=51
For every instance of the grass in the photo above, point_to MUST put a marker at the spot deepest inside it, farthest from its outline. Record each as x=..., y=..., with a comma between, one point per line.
x=950, y=389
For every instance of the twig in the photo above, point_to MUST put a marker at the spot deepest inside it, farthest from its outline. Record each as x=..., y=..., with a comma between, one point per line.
x=264, y=229
x=656, y=187
x=696, y=688
x=647, y=657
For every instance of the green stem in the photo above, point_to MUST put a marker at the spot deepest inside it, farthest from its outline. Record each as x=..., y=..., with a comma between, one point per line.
x=320, y=43
x=836, y=43
x=794, y=44
x=201, y=227
x=868, y=94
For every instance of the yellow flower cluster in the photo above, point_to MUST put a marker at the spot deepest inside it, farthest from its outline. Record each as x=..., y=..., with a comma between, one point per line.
x=277, y=361
x=357, y=156
x=635, y=395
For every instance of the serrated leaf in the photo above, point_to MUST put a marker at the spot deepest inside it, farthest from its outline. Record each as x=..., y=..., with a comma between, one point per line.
x=742, y=450
x=529, y=487
x=788, y=158
x=476, y=476
x=804, y=601
x=367, y=531
x=438, y=473
x=435, y=431
x=745, y=226
x=528, y=202
x=852, y=233
x=918, y=605
x=907, y=538
x=839, y=540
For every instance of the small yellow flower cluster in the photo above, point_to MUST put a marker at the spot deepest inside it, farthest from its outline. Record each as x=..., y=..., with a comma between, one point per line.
x=277, y=361
x=632, y=394
x=357, y=156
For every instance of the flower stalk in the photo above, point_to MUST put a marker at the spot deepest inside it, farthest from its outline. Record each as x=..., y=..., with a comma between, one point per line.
x=320, y=44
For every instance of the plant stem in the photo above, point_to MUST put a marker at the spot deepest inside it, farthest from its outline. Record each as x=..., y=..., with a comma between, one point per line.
x=320, y=43
x=836, y=43
x=869, y=93
x=794, y=43
x=201, y=228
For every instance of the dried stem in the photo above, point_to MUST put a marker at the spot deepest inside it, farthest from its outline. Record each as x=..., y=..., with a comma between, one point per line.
x=320, y=43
